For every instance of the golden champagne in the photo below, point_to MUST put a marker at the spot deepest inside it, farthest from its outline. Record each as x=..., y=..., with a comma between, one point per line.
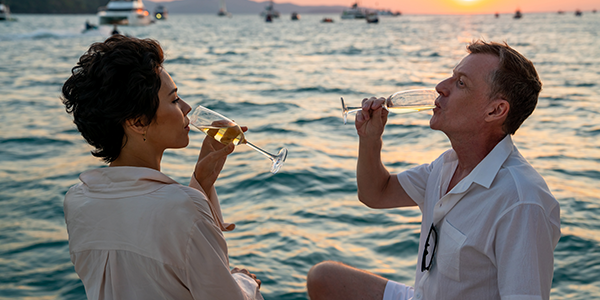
x=225, y=134
x=410, y=109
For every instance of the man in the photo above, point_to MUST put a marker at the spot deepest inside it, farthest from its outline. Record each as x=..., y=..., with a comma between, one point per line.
x=490, y=223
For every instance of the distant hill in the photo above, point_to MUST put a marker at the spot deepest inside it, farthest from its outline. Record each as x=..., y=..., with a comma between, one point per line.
x=181, y=6
x=238, y=7
x=54, y=6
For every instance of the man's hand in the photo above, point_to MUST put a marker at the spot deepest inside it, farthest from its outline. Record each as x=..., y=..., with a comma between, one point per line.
x=370, y=121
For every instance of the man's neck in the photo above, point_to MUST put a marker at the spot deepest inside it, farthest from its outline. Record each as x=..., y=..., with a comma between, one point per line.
x=471, y=150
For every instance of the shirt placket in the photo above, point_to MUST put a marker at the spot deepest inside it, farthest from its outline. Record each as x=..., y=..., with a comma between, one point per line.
x=440, y=210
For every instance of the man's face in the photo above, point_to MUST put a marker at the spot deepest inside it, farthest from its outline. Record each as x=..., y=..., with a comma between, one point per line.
x=461, y=107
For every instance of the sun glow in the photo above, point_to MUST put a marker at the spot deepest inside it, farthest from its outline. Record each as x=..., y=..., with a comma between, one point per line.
x=468, y=6
x=468, y=2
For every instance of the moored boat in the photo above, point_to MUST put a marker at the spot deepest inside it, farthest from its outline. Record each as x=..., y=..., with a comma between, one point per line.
x=354, y=12
x=372, y=17
x=4, y=12
x=518, y=14
x=223, y=10
x=124, y=12
x=269, y=13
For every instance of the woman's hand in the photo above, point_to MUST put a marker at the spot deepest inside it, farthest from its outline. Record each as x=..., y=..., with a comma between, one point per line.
x=211, y=159
x=244, y=271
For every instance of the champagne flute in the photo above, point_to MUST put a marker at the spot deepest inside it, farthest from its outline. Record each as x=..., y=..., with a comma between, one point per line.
x=402, y=102
x=227, y=131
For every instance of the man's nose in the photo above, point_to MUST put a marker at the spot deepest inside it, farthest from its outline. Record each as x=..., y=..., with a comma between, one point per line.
x=442, y=87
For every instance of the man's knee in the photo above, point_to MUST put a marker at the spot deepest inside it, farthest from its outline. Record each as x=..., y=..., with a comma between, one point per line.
x=320, y=276
x=322, y=271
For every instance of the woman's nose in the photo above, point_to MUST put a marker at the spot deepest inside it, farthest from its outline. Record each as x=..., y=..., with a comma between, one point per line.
x=185, y=108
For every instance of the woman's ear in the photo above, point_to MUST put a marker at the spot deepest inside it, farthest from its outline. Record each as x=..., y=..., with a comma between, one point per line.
x=136, y=125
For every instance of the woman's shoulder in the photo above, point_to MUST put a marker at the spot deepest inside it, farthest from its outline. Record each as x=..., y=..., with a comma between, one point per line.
x=193, y=201
x=147, y=187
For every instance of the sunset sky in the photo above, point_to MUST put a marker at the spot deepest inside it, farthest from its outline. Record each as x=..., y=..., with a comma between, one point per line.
x=458, y=6
x=463, y=6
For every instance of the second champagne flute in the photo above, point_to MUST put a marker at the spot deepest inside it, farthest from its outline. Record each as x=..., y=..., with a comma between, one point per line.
x=402, y=102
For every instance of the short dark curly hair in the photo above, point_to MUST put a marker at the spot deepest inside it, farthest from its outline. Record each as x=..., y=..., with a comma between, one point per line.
x=515, y=79
x=114, y=81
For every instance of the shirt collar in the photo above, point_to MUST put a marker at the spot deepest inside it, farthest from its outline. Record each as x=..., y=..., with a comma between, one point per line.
x=123, y=181
x=485, y=172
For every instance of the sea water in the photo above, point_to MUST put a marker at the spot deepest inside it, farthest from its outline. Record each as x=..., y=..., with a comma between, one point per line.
x=284, y=80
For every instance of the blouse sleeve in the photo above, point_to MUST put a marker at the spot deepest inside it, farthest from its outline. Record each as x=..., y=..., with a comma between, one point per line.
x=207, y=272
x=215, y=206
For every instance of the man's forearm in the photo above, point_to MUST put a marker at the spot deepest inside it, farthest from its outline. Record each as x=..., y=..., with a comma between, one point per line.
x=371, y=175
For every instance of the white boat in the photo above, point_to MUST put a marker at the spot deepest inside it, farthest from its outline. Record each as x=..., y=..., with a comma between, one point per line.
x=354, y=12
x=124, y=12
x=269, y=12
x=4, y=12
x=223, y=10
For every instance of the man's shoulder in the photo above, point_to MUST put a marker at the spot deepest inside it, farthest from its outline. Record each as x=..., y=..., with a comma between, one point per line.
x=530, y=186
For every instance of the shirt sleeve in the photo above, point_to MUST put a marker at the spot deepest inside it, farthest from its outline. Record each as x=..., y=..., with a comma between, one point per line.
x=208, y=273
x=524, y=251
x=414, y=182
x=248, y=285
x=215, y=206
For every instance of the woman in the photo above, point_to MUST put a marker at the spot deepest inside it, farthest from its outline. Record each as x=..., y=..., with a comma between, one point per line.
x=135, y=233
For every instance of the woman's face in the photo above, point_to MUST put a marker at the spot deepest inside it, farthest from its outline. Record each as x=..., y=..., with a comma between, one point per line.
x=170, y=126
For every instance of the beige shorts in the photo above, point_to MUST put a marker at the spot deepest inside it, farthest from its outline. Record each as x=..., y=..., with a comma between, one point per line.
x=397, y=291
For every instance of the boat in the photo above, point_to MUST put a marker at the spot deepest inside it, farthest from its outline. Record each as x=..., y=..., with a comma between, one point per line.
x=295, y=16
x=354, y=12
x=518, y=14
x=124, y=12
x=89, y=26
x=578, y=13
x=161, y=12
x=269, y=12
x=327, y=20
x=4, y=12
x=389, y=13
x=372, y=17
x=223, y=10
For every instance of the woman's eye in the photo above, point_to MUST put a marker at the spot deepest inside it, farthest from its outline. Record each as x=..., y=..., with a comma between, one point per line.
x=176, y=100
x=460, y=82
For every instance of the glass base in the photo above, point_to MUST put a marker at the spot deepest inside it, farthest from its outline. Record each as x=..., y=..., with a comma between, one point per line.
x=279, y=160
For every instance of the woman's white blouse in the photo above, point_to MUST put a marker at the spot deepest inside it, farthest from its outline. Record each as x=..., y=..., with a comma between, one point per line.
x=134, y=233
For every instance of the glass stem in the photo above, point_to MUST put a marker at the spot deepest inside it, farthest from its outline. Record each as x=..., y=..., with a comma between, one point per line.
x=263, y=152
x=352, y=109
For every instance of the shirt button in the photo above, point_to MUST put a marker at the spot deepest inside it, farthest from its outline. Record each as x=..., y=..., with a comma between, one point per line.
x=418, y=296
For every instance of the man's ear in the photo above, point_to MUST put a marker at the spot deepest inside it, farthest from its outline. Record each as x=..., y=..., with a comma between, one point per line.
x=497, y=110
